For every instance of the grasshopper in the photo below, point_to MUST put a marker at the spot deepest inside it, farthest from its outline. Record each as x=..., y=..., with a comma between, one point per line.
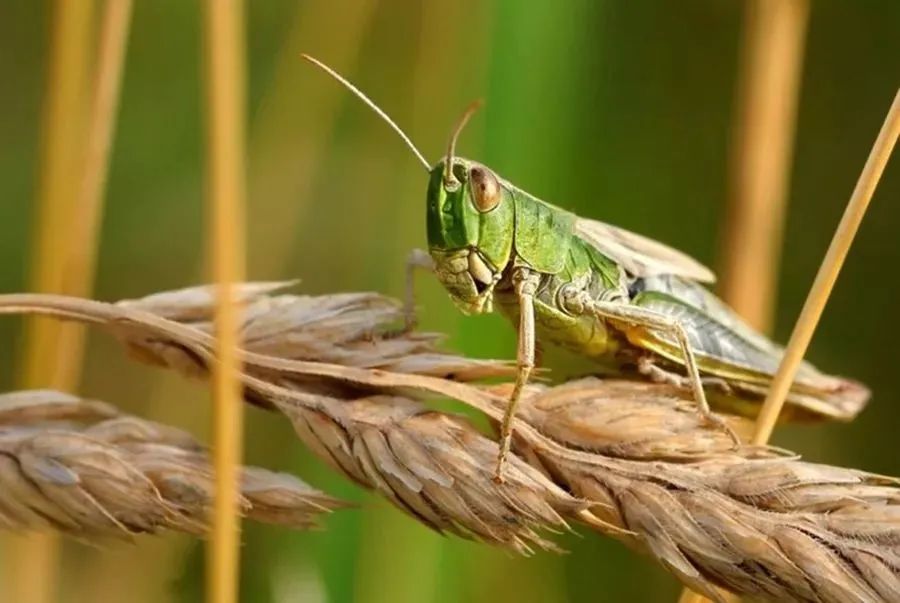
x=631, y=303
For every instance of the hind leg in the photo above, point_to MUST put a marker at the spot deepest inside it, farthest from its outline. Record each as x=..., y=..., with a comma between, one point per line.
x=643, y=318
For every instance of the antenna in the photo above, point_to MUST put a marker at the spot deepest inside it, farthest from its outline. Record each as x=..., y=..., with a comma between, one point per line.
x=450, y=180
x=371, y=105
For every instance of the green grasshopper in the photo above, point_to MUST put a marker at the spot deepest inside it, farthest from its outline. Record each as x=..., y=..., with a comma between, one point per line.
x=631, y=303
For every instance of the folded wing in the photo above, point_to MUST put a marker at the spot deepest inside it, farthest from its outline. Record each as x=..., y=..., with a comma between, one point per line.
x=639, y=255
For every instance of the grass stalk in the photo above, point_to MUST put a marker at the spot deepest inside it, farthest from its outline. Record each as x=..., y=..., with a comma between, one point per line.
x=768, y=89
x=81, y=258
x=85, y=223
x=226, y=186
x=828, y=272
x=62, y=130
x=284, y=153
x=32, y=561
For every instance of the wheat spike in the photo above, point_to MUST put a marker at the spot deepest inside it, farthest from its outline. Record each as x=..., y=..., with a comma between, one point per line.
x=80, y=467
x=629, y=459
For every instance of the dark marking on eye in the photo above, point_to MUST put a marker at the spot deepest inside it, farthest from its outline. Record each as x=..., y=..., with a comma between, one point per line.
x=485, y=188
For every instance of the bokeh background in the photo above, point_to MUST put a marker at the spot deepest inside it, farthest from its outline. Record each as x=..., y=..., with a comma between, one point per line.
x=622, y=111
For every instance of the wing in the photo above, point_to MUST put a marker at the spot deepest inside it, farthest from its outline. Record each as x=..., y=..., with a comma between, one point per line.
x=720, y=350
x=698, y=296
x=728, y=345
x=728, y=348
x=640, y=255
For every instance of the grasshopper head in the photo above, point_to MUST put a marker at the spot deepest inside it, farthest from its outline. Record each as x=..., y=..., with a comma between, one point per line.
x=470, y=218
x=470, y=214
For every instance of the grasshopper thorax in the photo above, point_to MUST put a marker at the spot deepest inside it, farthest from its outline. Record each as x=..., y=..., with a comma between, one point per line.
x=471, y=226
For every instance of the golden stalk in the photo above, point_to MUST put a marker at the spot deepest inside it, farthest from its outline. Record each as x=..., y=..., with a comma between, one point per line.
x=32, y=562
x=84, y=223
x=226, y=189
x=828, y=272
x=62, y=121
x=771, y=65
x=282, y=161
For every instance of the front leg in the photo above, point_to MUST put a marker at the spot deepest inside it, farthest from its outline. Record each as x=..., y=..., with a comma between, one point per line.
x=643, y=317
x=417, y=260
x=525, y=283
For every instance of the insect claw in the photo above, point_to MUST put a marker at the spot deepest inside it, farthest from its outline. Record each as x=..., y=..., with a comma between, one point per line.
x=499, y=478
x=720, y=423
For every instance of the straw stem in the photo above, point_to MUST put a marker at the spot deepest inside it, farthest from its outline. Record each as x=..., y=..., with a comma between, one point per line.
x=32, y=561
x=769, y=86
x=828, y=272
x=225, y=139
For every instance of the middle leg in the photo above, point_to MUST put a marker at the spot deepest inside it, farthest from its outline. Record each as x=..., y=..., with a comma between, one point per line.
x=646, y=365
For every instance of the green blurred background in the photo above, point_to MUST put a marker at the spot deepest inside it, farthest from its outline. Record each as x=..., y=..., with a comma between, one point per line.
x=619, y=110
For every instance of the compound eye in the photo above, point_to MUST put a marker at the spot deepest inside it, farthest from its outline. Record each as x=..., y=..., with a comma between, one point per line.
x=485, y=188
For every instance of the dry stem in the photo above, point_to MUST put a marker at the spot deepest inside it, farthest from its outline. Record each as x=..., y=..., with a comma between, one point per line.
x=627, y=458
x=31, y=568
x=828, y=273
x=224, y=54
x=769, y=86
